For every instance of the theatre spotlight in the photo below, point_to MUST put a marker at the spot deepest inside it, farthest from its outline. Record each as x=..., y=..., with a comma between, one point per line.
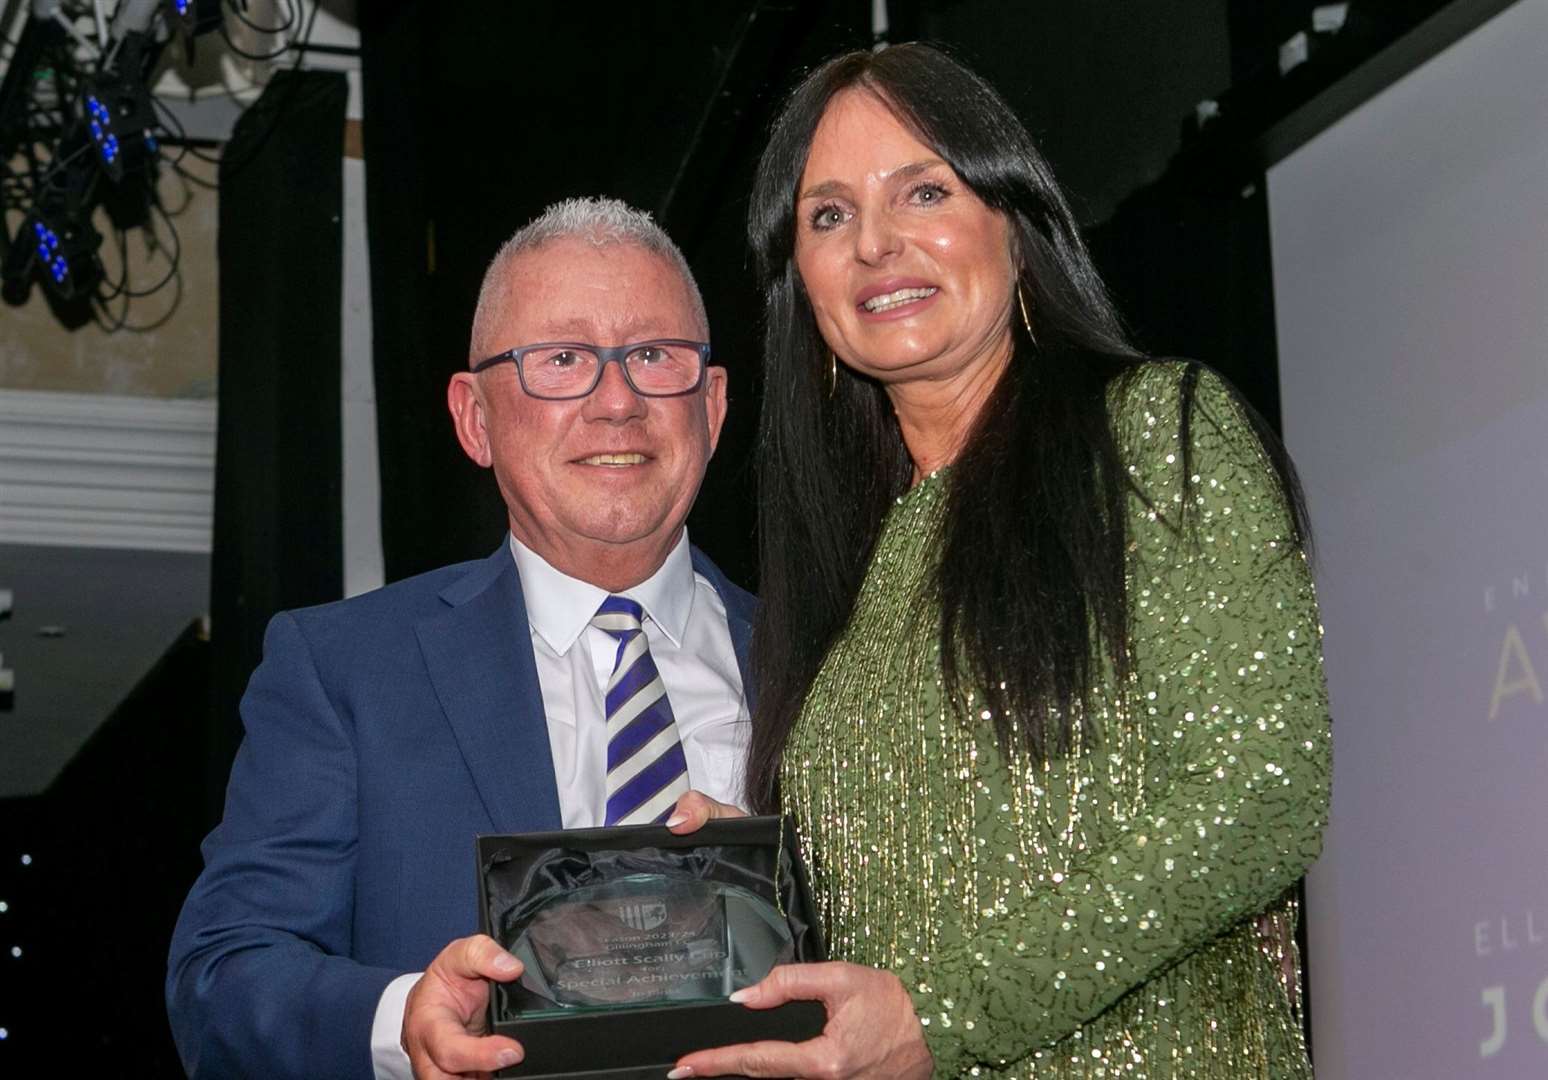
x=119, y=116
x=61, y=251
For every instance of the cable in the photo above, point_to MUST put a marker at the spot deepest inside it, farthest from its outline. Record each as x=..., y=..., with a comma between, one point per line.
x=244, y=54
x=291, y=16
x=173, y=260
x=58, y=164
x=208, y=185
x=110, y=324
x=123, y=266
x=180, y=135
x=118, y=324
x=188, y=191
x=172, y=251
x=294, y=9
x=166, y=316
x=306, y=35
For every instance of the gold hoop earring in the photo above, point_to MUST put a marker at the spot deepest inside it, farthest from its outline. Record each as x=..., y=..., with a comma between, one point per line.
x=832, y=372
x=1021, y=301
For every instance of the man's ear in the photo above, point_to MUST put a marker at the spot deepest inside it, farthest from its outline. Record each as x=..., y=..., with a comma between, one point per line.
x=467, y=412
x=714, y=402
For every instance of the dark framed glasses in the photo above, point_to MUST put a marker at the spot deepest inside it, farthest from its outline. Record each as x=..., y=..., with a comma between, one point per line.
x=559, y=370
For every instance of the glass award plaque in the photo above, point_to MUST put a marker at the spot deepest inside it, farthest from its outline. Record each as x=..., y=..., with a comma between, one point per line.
x=649, y=939
x=632, y=939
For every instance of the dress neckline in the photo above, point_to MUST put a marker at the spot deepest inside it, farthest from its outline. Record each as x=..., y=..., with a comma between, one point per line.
x=929, y=481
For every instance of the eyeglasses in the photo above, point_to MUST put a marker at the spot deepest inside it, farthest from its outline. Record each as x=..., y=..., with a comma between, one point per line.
x=560, y=370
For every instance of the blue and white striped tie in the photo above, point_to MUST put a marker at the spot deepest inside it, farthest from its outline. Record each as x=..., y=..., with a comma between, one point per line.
x=646, y=769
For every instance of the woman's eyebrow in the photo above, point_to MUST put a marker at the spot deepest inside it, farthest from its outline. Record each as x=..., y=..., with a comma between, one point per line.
x=902, y=172
x=914, y=168
x=824, y=189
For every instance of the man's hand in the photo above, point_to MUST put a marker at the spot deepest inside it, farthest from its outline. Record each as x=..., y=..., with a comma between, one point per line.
x=443, y=1020
x=694, y=808
x=871, y=1034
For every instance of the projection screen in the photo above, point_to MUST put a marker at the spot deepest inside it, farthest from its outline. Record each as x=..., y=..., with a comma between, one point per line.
x=1410, y=258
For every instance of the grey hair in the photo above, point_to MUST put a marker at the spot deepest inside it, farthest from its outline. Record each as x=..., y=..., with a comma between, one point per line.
x=600, y=221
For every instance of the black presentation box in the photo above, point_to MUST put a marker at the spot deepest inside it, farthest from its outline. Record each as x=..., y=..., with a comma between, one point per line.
x=554, y=894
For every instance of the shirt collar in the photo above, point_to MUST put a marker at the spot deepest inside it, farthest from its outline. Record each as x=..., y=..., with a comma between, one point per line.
x=560, y=606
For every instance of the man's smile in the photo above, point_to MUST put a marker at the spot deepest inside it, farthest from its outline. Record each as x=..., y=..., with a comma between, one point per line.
x=614, y=460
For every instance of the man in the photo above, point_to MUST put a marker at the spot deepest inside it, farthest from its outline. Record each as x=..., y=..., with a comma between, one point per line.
x=384, y=732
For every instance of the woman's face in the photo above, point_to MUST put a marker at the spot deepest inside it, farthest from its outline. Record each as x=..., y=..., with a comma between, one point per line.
x=909, y=273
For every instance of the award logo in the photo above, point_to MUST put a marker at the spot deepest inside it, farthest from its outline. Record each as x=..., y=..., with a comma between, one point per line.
x=642, y=917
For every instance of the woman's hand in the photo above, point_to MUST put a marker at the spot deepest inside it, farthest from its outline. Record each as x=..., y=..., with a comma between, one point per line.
x=695, y=808
x=871, y=1034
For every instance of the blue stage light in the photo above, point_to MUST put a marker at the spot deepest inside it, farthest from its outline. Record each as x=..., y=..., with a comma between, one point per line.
x=62, y=253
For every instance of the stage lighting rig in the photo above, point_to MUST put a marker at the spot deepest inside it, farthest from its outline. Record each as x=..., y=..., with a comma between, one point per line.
x=83, y=140
x=79, y=136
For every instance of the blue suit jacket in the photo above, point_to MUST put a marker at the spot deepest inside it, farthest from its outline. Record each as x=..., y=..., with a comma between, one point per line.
x=382, y=734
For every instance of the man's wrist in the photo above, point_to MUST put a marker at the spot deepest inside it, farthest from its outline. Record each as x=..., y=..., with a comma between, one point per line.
x=388, y=1058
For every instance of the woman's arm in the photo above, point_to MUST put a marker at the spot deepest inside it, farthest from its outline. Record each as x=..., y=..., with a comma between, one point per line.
x=1226, y=646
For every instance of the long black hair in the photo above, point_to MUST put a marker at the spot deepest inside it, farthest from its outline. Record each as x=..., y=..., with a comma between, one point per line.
x=1032, y=543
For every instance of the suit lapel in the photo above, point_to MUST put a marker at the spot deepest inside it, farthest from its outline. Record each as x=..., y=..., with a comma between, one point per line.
x=740, y=610
x=479, y=655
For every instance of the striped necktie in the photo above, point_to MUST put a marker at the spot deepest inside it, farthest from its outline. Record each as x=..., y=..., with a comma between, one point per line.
x=646, y=770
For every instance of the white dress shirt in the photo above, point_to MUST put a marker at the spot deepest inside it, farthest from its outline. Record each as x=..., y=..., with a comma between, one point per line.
x=685, y=627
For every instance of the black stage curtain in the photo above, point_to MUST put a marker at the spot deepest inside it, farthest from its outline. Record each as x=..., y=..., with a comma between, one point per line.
x=278, y=539
x=1188, y=261
x=437, y=507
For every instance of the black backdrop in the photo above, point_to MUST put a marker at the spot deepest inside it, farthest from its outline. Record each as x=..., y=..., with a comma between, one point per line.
x=481, y=113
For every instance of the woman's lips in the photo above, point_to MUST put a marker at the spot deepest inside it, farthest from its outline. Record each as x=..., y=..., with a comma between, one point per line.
x=897, y=298
x=896, y=302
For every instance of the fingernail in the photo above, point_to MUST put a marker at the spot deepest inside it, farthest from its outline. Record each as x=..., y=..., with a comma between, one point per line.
x=674, y=820
x=742, y=996
x=507, y=1057
x=506, y=962
x=682, y=1072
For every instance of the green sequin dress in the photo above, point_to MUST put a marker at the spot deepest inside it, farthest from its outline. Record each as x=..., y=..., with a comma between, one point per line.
x=1122, y=912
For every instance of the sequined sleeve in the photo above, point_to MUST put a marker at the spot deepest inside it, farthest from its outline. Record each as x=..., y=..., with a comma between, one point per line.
x=1233, y=756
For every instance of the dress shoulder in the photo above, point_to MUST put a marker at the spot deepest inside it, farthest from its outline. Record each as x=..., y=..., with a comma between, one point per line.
x=1184, y=435
x=1165, y=396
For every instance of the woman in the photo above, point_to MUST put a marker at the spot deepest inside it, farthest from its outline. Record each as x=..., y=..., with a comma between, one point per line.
x=1039, y=652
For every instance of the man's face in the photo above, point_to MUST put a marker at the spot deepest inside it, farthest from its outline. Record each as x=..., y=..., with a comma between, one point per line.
x=599, y=486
